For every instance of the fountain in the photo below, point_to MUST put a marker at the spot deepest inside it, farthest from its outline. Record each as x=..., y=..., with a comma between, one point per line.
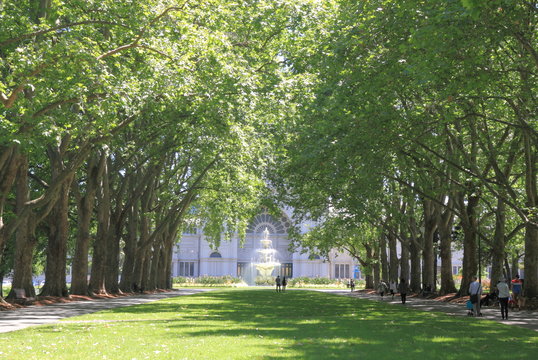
x=265, y=260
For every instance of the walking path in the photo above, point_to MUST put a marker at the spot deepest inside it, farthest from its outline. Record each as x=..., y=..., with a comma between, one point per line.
x=37, y=315
x=523, y=318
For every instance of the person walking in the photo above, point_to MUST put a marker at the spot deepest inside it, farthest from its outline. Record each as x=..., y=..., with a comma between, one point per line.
x=504, y=295
x=402, y=288
x=475, y=290
x=352, y=284
x=382, y=288
x=278, y=284
x=284, y=283
x=393, y=287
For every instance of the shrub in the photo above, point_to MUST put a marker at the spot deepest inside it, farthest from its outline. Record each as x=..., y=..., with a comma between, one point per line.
x=209, y=280
x=316, y=281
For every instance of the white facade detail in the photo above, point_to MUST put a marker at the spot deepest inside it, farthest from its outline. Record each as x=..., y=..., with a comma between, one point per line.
x=194, y=257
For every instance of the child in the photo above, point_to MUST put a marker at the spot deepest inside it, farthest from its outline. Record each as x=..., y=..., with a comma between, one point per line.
x=470, y=308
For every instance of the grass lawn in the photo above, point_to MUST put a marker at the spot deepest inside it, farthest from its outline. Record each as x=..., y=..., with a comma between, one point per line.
x=263, y=324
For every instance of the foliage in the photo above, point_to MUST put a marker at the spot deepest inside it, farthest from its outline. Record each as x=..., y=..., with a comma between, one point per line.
x=301, y=282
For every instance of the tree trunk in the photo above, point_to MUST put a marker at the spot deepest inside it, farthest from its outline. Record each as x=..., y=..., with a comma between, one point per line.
x=376, y=265
x=404, y=261
x=155, y=265
x=444, y=227
x=498, y=245
x=58, y=223
x=97, y=280
x=515, y=265
x=508, y=273
x=531, y=262
x=415, y=249
x=8, y=172
x=85, y=207
x=146, y=270
x=113, y=259
x=383, y=257
x=469, y=225
x=531, y=231
x=129, y=251
x=393, y=259
x=428, y=254
x=368, y=269
x=25, y=237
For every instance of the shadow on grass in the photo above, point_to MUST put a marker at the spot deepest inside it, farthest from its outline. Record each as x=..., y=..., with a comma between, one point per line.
x=313, y=325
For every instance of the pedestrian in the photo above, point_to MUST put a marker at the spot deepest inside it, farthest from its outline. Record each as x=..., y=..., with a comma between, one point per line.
x=352, y=284
x=278, y=284
x=475, y=290
x=382, y=288
x=504, y=295
x=284, y=283
x=517, y=289
x=402, y=288
x=393, y=287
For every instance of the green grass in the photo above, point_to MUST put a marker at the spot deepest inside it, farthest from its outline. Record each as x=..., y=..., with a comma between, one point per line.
x=263, y=324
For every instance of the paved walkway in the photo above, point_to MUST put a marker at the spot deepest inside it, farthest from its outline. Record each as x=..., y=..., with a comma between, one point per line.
x=37, y=315
x=524, y=318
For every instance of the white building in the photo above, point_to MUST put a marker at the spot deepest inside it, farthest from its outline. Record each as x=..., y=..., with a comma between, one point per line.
x=194, y=257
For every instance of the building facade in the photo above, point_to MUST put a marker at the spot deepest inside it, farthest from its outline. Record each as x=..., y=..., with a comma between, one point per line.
x=194, y=257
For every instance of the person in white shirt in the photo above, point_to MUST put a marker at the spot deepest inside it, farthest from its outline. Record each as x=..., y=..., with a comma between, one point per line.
x=504, y=294
x=475, y=290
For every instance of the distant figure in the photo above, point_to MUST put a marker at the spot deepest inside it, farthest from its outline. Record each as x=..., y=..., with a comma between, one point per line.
x=517, y=289
x=402, y=288
x=352, y=284
x=504, y=295
x=382, y=288
x=284, y=283
x=278, y=284
x=393, y=287
x=475, y=290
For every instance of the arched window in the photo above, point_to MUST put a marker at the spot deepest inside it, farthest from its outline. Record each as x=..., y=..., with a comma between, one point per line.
x=314, y=257
x=215, y=254
x=266, y=220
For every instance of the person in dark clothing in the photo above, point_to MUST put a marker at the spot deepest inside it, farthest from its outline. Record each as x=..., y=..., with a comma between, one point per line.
x=352, y=284
x=284, y=283
x=278, y=284
x=402, y=289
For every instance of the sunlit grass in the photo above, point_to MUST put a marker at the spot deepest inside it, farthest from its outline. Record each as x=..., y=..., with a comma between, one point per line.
x=263, y=324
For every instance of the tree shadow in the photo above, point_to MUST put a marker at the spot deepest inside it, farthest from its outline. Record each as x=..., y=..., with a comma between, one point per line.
x=312, y=325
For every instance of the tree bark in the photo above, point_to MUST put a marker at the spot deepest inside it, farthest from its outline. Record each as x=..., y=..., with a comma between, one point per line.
x=383, y=257
x=129, y=251
x=469, y=225
x=8, y=172
x=25, y=237
x=368, y=270
x=393, y=259
x=85, y=207
x=404, y=261
x=58, y=224
x=498, y=245
x=97, y=280
x=428, y=254
x=444, y=227
x=531, y=231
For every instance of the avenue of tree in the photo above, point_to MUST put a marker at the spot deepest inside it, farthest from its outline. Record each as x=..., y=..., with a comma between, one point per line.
x=408, y=122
